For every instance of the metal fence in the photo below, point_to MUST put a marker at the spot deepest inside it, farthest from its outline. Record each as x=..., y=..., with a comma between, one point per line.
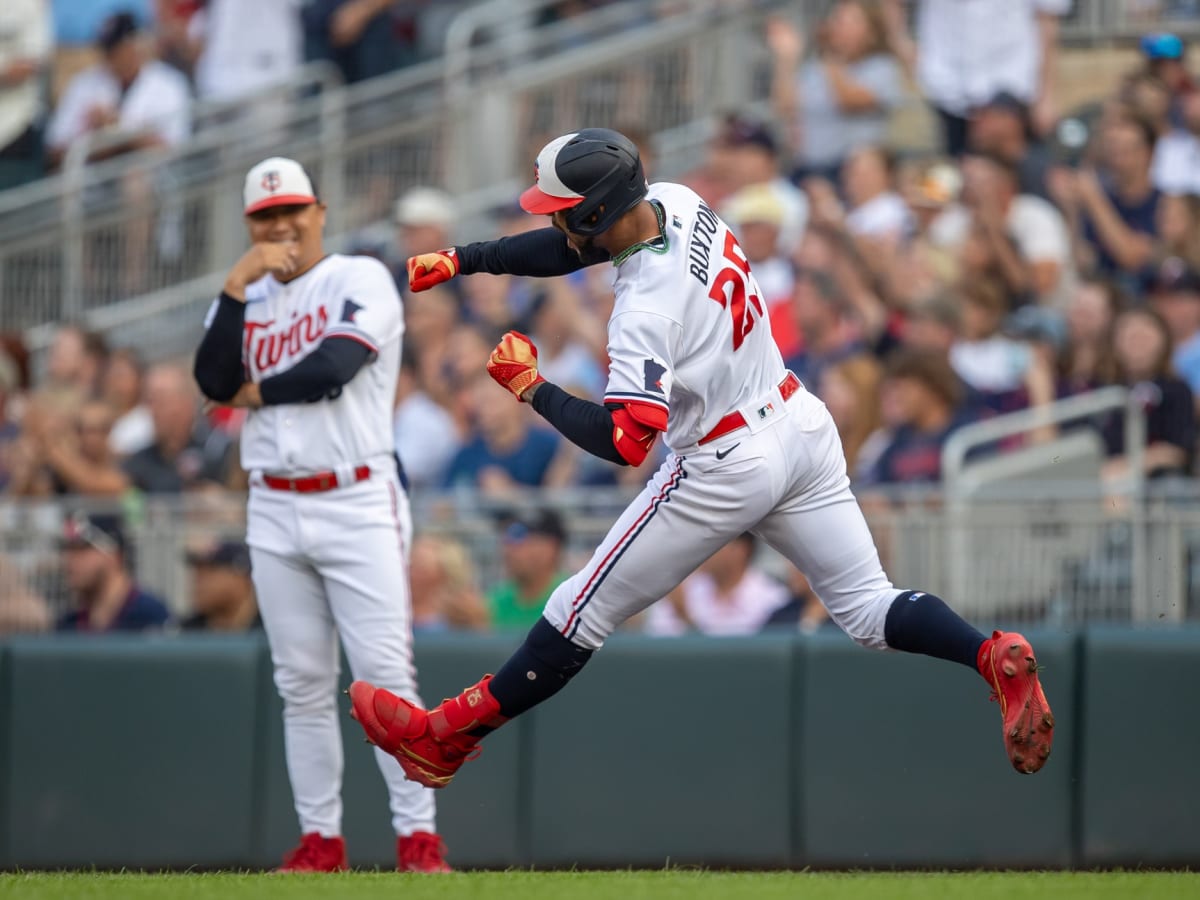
x=1030, y=558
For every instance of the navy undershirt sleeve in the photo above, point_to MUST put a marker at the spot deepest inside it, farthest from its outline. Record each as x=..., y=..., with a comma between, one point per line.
x=584, y=423
x=218, y=367
x=541, y=254
x=319, y=375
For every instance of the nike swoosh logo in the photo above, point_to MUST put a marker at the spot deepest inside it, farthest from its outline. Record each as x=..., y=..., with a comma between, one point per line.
x=723, y=454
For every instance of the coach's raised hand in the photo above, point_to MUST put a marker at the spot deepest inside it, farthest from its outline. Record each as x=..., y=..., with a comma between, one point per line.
x=513, y=364
x=280, y=259
x=428, y=269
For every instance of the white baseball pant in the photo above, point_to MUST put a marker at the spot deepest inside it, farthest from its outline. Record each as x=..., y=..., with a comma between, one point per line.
x=783, y=479
x=329, y=564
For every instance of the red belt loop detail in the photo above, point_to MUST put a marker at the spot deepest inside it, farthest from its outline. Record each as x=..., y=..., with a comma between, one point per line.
x=736, y=420
x=313, y=484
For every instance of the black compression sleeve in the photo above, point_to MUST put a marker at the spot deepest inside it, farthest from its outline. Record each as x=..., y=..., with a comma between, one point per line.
x=218, y=367
x=585, y=424
x=321, y=373
x=542, y=254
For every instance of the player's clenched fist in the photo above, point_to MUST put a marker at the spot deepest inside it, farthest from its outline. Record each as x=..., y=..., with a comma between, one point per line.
x=428, y=269
x=280, y=259
x=513, y=364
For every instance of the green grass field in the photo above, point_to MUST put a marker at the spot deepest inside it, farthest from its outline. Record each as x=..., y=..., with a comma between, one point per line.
x=667, y=885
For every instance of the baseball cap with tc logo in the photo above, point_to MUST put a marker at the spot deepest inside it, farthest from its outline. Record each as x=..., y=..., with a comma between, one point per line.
x=277, y=181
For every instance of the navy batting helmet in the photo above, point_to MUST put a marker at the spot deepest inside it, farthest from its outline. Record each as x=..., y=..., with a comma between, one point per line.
x=595, y=173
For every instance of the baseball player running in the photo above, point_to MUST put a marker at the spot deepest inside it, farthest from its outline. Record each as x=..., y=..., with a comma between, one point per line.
x=309, y=343
x=691, y=357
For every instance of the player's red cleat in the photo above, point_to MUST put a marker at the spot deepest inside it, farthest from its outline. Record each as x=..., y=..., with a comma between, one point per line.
x=429, y=745
x=421, y=852
x=1007, y=663
x=316, y=854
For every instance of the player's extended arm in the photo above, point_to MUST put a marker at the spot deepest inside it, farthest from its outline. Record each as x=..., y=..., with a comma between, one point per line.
x=541, y=254
x=218, y=367
x=622, y=433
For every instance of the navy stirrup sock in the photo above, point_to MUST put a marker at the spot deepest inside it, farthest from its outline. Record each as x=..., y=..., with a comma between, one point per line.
x=539, y=669
x=922, y=623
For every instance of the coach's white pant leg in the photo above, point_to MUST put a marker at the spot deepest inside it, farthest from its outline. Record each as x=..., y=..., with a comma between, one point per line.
x=366, y=581
x=691, y=508
x=821, y=530
x=291, y=600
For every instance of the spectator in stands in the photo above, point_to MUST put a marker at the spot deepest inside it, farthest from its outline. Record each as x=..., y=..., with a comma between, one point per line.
x=1085, y=361
x=726, y=596
x=1000, y=128
x=927, y=259
x=144, y=101
x=505, y=448
x=830, y=332
x=1176, y=297
x=745, y=151
x=1142, y=351
x=363, y=38
x=850, y=389
x=242, y=48
x=875, y=210
x=533, y=542
x=22, y=609
x=841, y=99
x=1179, y=227
x=222, y=592
x=426, y=434
x=1115, y=209
x=445, y=592
x=172, y=30
x=1009, y=374
x=424, y=217
x=187, y=453
x=121, y=388
x=76, y=455
x=1176, y=165
x=106, y=597
x=967, y=53
x=73, y=368
x=26, y=45
x=1023, y=236
x=1165, y=55
x=925, y=398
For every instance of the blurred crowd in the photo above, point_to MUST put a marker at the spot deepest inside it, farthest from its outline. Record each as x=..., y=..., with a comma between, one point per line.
x=1038, y=254
x=129, y=74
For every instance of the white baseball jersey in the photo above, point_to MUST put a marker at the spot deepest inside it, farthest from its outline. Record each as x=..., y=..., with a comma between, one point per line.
x=689, y=330
x=347, y=296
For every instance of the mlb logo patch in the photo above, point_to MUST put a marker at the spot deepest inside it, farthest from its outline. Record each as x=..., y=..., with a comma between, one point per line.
x=764, y=411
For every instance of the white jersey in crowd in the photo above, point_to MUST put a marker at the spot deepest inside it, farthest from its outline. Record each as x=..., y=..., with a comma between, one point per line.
x=348, y=296
x=689, y=330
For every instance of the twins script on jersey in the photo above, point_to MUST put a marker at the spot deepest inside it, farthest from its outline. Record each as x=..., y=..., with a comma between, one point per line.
x=350, y=297
x=689, y=329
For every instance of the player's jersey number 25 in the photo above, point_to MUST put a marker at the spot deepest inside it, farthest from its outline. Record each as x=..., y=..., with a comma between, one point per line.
x=735, y=290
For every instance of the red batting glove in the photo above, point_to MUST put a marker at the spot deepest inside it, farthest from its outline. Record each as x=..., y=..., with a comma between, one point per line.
x=428, y=269
x=513, y=364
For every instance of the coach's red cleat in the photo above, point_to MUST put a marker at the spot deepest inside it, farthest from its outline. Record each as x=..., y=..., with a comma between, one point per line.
x=1007, y=663
x=421, y=852
x=316, y=854
x=430, y=746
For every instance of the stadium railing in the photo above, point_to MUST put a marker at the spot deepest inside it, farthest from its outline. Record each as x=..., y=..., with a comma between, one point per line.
x=1060, y=555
